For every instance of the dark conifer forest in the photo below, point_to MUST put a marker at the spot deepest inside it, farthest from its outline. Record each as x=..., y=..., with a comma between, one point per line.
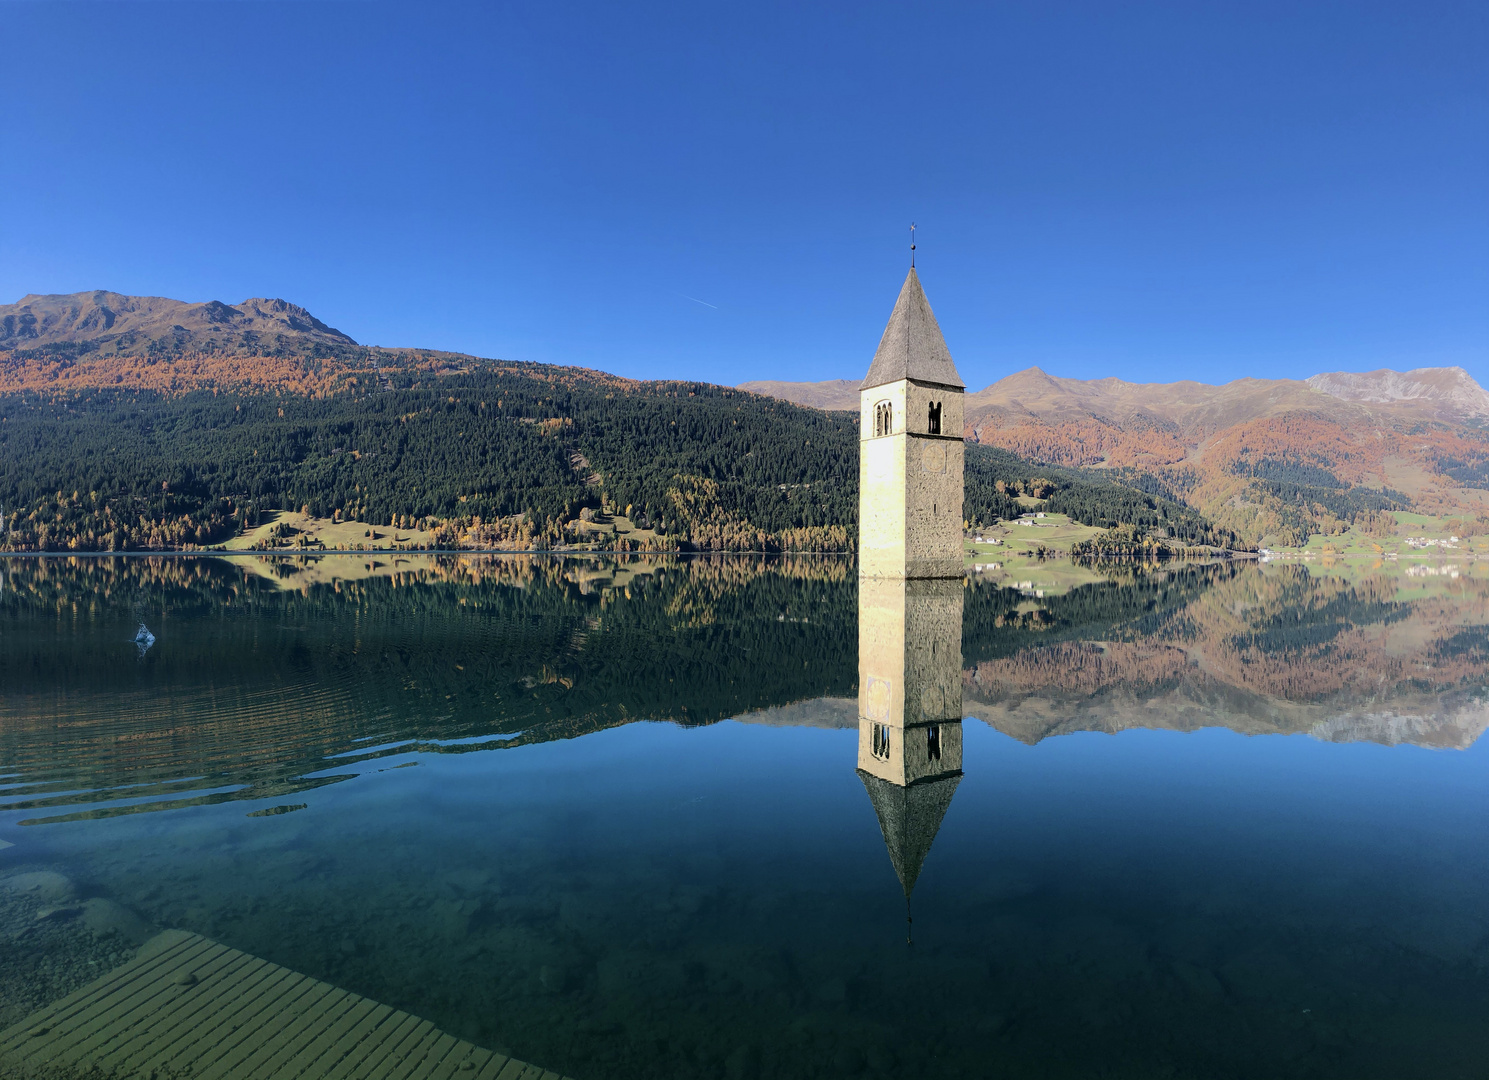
x=516, y=452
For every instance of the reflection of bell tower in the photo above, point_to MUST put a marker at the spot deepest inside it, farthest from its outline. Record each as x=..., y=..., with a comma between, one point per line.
x=909, y=710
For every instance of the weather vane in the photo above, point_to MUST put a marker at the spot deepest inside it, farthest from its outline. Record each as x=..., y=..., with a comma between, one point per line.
x=912, y=245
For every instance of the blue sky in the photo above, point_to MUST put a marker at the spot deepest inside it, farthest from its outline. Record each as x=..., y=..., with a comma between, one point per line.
x=1152, y=191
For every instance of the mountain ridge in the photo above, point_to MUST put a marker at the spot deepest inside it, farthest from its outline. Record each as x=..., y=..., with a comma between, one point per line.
x=1266, y=461
x=1274, y=460
x=1446, y=393
x=110, y=322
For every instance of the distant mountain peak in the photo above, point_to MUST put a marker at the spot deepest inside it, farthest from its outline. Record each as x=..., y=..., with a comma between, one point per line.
x=106, y=321
x=1445, y=393
x=829, y=394
x=1451, y=387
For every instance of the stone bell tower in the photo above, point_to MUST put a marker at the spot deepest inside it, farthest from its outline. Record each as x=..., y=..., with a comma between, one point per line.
x=910, y=449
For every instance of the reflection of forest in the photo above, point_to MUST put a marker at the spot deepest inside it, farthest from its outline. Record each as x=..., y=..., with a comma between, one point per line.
x=263, y=669
x=1275, y=650
x=250, y=683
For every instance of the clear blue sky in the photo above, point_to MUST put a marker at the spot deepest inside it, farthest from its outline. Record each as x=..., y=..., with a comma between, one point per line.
x=1153, y=191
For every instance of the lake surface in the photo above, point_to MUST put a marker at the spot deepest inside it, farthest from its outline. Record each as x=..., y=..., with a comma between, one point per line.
x=659, y=818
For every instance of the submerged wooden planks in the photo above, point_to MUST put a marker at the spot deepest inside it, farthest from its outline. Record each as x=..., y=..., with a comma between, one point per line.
x=189, y=1006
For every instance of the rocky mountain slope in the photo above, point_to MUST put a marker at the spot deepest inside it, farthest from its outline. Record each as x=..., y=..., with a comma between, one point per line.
x=831, y=394
x=1451, y=391
x=112, y=323
x=1274, y=459
x=1447, y=394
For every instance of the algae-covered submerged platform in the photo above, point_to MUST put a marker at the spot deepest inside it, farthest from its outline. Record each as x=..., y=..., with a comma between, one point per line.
x=187, y=1006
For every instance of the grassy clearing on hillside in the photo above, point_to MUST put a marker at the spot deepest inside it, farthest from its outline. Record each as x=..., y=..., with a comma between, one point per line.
x=1416, y=537
x=613, y=527
x=292, y=530
x=1057, y=533
x=1007, y=554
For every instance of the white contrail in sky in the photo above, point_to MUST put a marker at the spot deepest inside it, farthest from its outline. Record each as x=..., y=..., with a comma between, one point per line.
x=695, y=300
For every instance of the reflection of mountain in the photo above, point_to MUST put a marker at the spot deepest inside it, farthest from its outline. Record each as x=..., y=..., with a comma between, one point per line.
x=252, y=684
x=260, y=671
x=1277, y=650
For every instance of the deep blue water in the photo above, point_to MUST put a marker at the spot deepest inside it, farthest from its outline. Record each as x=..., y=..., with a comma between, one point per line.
x=1297, y=887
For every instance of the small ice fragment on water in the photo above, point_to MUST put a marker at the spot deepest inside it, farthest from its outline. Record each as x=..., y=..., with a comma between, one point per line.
x=143, y=639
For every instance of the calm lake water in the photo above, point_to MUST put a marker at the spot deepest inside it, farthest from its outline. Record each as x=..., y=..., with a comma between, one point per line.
x=659, y=818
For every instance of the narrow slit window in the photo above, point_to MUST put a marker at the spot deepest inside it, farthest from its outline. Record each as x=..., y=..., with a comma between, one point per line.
x=883, y=419
x=933, y=422
x=933, y=742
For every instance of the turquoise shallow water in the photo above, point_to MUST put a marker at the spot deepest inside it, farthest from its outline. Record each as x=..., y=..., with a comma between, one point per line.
x=1211, y=822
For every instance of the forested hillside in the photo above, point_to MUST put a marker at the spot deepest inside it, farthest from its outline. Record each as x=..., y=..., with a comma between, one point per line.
x=995, y=477
x=108, y=469
x=160, y=450
x=1273, y=460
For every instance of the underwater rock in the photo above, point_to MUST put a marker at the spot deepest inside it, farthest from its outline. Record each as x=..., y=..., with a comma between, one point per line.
x=470, y=880
x=45, y=886
x=103, y=917
x=46, y=952
x=452, y=919
x=58, y=913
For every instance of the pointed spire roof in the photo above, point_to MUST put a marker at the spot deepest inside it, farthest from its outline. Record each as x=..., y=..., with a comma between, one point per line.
x=912, y=346
x=909, y=818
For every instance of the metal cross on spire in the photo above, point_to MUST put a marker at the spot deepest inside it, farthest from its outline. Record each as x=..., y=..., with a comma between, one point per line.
x=912, y=245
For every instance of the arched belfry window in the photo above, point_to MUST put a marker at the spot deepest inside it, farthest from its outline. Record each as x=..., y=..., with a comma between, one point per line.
x=933, y=422
x=883, y=419
x=881, y=741
x=933, y=742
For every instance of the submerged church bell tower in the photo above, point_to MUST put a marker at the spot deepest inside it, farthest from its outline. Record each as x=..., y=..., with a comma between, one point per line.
x=910, y=450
